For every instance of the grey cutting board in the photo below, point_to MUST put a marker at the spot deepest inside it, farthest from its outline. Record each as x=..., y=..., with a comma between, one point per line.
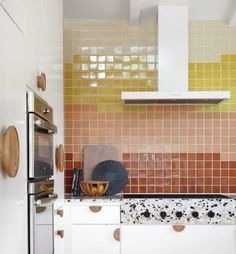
x=94, y=154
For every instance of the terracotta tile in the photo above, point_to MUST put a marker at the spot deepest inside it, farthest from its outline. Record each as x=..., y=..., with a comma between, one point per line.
x=199, y=189
x=127, y=164
x=150, y=181
x=232, y=172
x=208, y=181
x=216, y=156
x=224, y=164
x=134, y=189
x=225, y=189
x=200, y=156
x=150, y=189
x=216, y=189
x=142, y=189
x=77, y=164
x=208, y=189
x=159, y=189
x=183, y=189
x=200, y=181
x=69, y=156
x=142, y=181
x=232, y=189
x=208, y=156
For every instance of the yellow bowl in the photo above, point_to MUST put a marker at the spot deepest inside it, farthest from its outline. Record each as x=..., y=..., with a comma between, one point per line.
x=94, y=188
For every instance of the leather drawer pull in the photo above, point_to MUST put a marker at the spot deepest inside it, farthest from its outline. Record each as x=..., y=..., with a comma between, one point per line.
x=41, y=81
x=60, y=233
x=178, y=228
x=116, y=234
x=95, y=209
x=40, y=209
x=60, y=213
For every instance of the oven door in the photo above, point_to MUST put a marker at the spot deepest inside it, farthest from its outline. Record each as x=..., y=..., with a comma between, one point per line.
x=40, y=143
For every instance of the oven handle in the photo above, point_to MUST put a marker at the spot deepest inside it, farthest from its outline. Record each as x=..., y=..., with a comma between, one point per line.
x=46, y=200
x=43, y=125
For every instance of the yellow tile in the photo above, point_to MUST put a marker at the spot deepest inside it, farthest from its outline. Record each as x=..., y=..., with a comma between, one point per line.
x=216, y=74
x=208, y=67
x=68, y=67
x=233, y=74
x=233, y=66
x=225, y=66
x=208, y=74
x=192, y=66
x=225, y=58
x=225, y=74
x=200, y=74
x=76, y=59
x=67, y=75
x=232, y=58
x=200, y=67
x=216, y=66
x=67, y=83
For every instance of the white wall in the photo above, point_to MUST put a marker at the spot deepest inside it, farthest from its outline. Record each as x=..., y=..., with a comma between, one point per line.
x=13, y=194
x=30, y=43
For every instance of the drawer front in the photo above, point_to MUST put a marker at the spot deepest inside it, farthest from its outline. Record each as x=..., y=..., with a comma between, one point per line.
x=59, y=215
x=95, y=214
x=43, y=215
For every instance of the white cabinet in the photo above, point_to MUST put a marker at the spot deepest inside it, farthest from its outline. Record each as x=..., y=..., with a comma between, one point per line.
x=194, y=239
x=59, y=225
x=16, y=10
x=94, y=239
x=93, y=228
x=13, y=208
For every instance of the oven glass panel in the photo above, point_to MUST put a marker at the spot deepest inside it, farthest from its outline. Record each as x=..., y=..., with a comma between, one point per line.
x=43, y=154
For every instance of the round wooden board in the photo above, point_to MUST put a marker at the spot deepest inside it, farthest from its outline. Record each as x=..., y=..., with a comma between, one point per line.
x=60, y=158
x=10, y=151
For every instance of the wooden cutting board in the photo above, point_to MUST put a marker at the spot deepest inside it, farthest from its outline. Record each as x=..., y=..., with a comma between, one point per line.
x=94, y=154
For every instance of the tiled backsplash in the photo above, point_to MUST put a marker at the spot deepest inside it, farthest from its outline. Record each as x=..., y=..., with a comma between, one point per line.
x=174, y=149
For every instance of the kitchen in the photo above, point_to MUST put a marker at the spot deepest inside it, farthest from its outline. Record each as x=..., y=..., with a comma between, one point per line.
x=166, y=149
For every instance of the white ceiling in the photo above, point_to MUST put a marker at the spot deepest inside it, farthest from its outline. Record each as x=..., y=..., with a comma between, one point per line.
x=134, y=9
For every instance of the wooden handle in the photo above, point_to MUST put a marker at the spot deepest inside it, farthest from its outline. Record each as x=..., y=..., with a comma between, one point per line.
x=95, y=209
x=60, y=158
x=40, y=209
x=60, y=213
x=10, y=151
x=178, y=228
x=116, y=234
x=60, y=233
x=41, y=81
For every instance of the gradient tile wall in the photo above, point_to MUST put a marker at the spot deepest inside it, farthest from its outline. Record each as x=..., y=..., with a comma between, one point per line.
x=175, y=149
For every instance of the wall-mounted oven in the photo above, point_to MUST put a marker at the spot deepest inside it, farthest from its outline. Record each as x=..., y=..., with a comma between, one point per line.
x=40, y=137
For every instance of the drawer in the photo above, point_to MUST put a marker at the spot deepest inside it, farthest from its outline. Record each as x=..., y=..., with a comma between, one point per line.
x=59, y=215
x=43, y=215
x=95, y=214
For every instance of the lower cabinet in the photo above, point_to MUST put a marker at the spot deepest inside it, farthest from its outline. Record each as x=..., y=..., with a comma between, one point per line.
x=92, y=228
x=95, y=239
x=194, y=239
x=59, y=228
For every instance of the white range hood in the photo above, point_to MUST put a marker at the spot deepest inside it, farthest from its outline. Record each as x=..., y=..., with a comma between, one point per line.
x=173, y=65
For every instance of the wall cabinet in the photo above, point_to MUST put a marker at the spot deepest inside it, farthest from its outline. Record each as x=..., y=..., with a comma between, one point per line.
x=194, y=239
x=92, y=228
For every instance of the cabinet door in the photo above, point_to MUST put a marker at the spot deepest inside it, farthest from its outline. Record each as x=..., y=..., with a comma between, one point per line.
x=94, y=239
x=44, y=239
x=16, y=10
x=194, y=239
x=59, y=243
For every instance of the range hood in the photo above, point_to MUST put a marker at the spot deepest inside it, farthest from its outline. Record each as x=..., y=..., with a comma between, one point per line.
x=173, y=65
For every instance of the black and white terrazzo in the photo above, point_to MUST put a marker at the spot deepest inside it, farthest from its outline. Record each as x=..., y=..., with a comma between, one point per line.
x=147, y=211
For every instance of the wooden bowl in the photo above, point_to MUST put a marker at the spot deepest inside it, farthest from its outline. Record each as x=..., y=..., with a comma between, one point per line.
x=94, y=188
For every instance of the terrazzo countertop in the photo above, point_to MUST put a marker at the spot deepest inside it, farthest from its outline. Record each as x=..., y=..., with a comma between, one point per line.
x=169, y=210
